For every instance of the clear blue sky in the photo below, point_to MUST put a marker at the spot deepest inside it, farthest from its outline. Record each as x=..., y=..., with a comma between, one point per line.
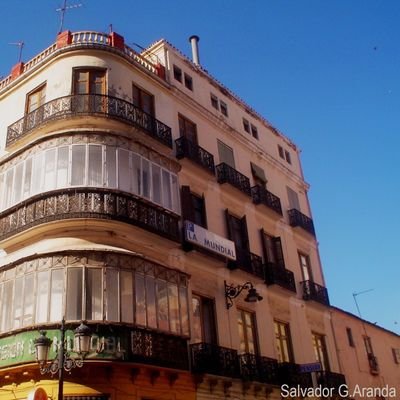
x=325, y=73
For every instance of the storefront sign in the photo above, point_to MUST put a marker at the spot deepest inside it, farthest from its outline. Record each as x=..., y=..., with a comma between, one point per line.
x=202, y=237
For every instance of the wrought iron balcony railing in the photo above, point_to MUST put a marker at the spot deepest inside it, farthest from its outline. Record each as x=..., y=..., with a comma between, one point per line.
x=88, y=203
x=277, y=275
x=373, y=364
x=260, y=369
x=160, y=349
x=331, y=380
x=296, y=218
x=313, y=291
x=186, y=148
x=261, y=195
x=227, y=174
x=216, y=360
x=249, y=262
x=90, y=105
x=289, y=374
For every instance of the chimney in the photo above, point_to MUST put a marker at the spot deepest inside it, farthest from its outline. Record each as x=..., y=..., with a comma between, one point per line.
x=194, y=40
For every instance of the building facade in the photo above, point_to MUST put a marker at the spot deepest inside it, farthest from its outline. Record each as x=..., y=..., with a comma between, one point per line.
x=140, y=195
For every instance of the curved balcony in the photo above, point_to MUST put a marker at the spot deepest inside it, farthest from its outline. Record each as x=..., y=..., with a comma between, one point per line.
x=88, y=203
x=90, y=105
x=296, y=218
x=261, y=195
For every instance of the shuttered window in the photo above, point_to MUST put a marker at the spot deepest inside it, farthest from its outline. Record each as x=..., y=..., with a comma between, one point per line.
x=237, y=231
x=226, y=154
x=193, y=207
x=293, y=199
x=272, y=248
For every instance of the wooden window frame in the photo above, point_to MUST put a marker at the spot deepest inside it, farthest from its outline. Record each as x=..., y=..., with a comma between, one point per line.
x=287, y=337
x=142, y=92
x=89, y=70
x=37, y=91
x=252, y=314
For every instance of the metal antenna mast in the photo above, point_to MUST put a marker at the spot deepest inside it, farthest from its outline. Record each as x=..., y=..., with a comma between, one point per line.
x=21, y=45
x=63, y=10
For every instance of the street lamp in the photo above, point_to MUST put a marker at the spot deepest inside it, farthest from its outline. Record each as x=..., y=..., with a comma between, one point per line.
x=231, y=292
x=63, y=360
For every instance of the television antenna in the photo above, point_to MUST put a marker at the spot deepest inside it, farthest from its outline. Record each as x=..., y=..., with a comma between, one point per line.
x=65, y=7
x=21, y=45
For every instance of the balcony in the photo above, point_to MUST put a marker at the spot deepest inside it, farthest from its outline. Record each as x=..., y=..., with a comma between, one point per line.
x=330, y=380
x=278, y=275
x=313, y=291
x=261, y=195
x=88, y=203
x=227, y=174
x=95, y=105
x=296, y=218
x=209, y=358
x=289, y=374
x=186, y=148
x=163, y=350
x=249, y=262
x=260, y=369
x=373, y=364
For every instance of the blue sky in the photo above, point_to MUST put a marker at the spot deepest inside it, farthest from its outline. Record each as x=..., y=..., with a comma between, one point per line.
x=325, y=73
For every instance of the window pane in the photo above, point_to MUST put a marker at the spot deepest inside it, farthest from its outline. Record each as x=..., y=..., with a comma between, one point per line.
x=37, y=173
x=175, y=194
x=136, y=174
x=197, y=336
x=162, y=305
x=62, y=167
x=140, y=300
x=95, y=166
x=126, y=297
x=56, y=296
x=78, y=165
x=2, y=192
x=167, y=197
x=175, y=325
x=18, y=303
x=18, y=182
x=110, y=167
x=50, y=169
x=156, y=176
x=226, y=154
x=112, y=298
x=94, y=294
x=9, y=187
x=27, y=178
x=6, y=306
x=183, y=303
x=27, y=316
x=151, y=302
x=74, y=290
x=145, y=178
x=123, y=170
x=42, y=296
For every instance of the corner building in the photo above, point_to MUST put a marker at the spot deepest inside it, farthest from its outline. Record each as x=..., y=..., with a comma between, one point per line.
x=140, y=195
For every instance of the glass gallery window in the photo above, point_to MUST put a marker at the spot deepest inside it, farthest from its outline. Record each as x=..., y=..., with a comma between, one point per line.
x=155, y=298
x=93, y=165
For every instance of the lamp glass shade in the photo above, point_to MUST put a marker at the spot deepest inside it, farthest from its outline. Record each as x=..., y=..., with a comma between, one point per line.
x=253, y=296
x=82, y=339
x=42, y=347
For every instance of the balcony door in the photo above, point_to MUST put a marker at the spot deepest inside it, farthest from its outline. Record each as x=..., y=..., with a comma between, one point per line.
x=204, y=328
x=187, y=129
x=247, y=332
x=320, y=351
x=305, y=267
x=272, y=248
x=89, y=88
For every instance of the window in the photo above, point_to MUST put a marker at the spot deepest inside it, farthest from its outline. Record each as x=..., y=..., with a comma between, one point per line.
x=187, y=129
x=293, y=199
x=36, y=98
x=203, y=329
x=396, y=355
x=224, y=108
x=272, y=247
x=320, y=351
x=214, y=101
x=305, y=267
x=350, y=337
x=143, y=100
x=237, y=231
x=92, y=165
x=254, y=131
x=287, y=157
x=246, y=125
x=177, y=73
x=368, y=345
x=89, y=81
x=226, y=154
x=283, y=342
x=193, y=207
x=188, y=81
x=372, y=360
x=281, y=152
x=258, y=174
x=247, y=332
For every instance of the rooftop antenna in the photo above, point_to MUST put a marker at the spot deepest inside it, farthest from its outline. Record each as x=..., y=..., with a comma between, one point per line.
x=63, y=10
x=358, y=308
x=21, y=45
